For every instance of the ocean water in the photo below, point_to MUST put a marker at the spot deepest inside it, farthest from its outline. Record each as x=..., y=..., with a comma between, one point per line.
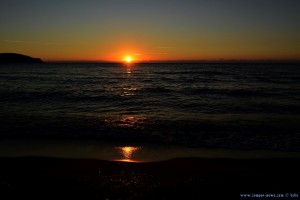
x=235, y=106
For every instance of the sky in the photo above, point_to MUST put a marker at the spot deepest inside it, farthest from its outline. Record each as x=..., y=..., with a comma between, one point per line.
x=95, y=30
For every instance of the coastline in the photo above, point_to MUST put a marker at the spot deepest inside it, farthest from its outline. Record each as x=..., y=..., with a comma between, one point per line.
x=47, y=169
x=112, y=151
x=185, y=178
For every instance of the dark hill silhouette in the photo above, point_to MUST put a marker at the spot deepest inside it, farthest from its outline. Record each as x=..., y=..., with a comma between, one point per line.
x=18, y=58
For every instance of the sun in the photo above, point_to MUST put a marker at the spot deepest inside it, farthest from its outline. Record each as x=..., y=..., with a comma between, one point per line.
x=128, y=59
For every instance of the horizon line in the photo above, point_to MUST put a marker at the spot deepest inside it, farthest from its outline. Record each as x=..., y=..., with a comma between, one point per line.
x=183, y=61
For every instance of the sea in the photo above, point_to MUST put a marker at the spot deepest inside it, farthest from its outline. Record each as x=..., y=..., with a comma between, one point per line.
x=248, y=106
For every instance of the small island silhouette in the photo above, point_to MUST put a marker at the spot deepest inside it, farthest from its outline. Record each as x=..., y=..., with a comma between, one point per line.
x=17, y=58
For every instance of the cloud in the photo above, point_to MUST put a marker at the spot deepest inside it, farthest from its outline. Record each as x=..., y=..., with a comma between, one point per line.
x=28, y=42
x=15, y=41
x=164, y=47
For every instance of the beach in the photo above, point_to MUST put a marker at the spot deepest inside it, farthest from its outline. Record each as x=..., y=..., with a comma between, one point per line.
x=85, y=169
x=185, y=178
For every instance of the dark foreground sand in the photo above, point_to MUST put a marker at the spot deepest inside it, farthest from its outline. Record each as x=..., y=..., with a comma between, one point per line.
x=185, y=178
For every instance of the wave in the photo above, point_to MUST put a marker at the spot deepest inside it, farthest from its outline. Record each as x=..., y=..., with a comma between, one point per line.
x=194, y=72
x=163, y=103
x=191, y=133
x=230, y=92
x=156, y=90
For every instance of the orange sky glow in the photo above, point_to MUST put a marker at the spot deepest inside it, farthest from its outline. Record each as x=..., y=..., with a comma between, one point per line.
x=99, y=31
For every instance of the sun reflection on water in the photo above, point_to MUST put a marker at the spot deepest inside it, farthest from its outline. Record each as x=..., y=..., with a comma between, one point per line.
x=127, y=153
x=133, y=122
x=129, y=91
x=128, y=70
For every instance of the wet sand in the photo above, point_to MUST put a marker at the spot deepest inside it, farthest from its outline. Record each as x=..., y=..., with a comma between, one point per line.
x=180, y=178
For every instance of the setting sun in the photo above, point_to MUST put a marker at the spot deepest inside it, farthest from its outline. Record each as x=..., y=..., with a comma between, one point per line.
x=128, y=59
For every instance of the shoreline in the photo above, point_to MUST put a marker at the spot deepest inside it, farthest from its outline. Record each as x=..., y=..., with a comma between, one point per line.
x=88, y=169
x=189, y=178
x=122, y=151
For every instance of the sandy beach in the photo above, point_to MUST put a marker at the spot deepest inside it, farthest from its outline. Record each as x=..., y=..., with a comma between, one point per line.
x=87, y=169
x=182, y=178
